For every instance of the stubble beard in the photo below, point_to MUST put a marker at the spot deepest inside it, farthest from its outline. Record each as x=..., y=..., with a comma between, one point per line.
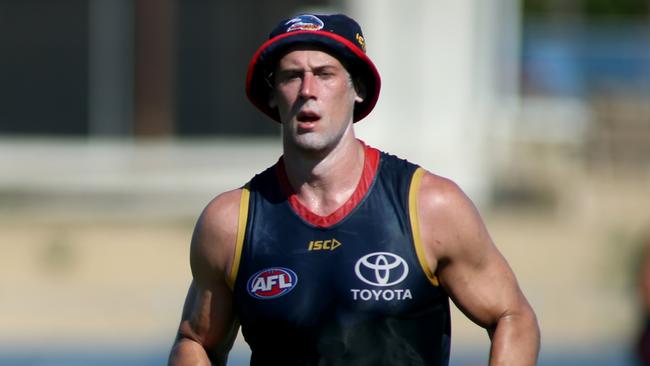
x=312, y=144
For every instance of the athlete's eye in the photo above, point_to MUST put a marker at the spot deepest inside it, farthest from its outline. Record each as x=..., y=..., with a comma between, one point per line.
x=325, y=74
x=288, y=76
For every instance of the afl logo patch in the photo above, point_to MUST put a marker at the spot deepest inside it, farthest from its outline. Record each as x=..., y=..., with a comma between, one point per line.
x=381, y=269
x=306, y=22
x=271, y=283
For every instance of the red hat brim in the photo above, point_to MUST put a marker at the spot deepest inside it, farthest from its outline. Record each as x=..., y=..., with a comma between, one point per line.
x=258, y=88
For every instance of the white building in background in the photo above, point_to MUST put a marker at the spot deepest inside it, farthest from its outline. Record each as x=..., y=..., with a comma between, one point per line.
x=449, y=81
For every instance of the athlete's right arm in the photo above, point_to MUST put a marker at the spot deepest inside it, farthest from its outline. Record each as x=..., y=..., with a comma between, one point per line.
x=208, y=326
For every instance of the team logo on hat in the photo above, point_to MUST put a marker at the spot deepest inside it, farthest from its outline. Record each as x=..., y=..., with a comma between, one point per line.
x=305, y=22
x=361, y=41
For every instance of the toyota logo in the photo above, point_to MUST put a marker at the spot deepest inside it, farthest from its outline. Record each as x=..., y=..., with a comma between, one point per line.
x=381, y=269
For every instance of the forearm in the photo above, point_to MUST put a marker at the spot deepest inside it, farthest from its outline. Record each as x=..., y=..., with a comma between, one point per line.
x=515, y=340
x=188, y=352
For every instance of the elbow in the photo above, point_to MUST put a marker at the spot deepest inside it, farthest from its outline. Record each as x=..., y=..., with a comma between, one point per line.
x=521, y=322
x=531, y=322
x=186, y=351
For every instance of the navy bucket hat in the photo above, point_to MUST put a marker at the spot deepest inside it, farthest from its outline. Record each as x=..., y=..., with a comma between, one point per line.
x=336, y=33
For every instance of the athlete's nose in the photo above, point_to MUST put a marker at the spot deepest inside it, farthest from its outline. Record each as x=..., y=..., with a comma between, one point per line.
x=308, y=85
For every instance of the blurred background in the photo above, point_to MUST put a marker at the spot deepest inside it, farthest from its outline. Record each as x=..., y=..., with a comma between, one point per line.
x=121, y=119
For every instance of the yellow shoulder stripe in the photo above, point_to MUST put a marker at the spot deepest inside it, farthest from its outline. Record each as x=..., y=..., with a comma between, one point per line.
x=415, y=225
x=241, y=233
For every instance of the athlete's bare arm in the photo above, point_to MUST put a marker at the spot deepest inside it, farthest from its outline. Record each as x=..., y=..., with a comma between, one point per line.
x=473, y=272
x=208, y=326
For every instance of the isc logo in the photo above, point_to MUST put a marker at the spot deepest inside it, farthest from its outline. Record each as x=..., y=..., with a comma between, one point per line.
x=271, y=283
x=324, y=244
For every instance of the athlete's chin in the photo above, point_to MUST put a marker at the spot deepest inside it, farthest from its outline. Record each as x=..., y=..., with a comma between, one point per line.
x=310, y=144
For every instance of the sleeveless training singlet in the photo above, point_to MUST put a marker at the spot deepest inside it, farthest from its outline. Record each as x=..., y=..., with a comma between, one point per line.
x=352, y=288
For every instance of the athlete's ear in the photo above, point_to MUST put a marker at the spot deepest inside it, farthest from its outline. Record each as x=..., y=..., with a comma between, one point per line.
x=360, y=89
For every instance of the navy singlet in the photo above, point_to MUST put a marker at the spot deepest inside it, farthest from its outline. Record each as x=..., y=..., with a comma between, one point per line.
x=351, y=288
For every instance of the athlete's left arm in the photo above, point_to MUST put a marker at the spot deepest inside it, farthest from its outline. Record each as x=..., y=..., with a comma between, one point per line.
x=473, y=272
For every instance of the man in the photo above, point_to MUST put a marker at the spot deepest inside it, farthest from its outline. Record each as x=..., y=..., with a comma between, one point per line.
x=340, y=254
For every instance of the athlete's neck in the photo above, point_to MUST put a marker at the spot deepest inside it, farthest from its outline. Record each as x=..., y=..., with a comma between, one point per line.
x=325, y=183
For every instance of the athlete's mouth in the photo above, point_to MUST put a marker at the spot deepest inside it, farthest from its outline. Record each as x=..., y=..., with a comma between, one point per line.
x=307, y=116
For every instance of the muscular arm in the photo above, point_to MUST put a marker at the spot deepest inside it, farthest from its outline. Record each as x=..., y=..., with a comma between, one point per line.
x=473, y=272
x=208, y=326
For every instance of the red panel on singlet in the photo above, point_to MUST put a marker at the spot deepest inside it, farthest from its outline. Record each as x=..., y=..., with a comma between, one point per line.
x=370, y=164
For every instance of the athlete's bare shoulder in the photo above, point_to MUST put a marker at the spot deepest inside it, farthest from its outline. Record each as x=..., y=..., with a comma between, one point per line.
x=438, y=191
x=450, y=223
x=215, y=234
x=442, y=196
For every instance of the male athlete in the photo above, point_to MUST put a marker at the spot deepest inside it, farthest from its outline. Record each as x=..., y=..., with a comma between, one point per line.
x=340, y=254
